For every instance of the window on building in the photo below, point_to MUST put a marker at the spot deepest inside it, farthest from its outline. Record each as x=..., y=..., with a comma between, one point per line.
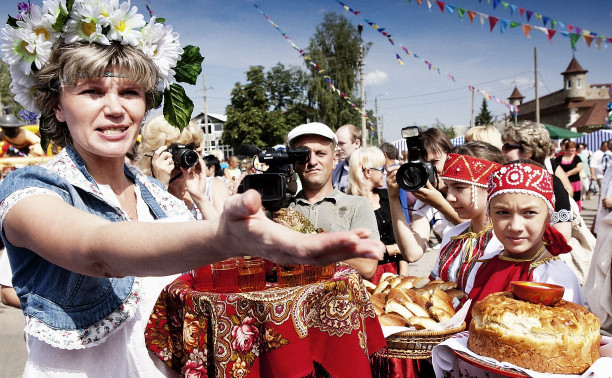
x=568, y=85
x=578, y=83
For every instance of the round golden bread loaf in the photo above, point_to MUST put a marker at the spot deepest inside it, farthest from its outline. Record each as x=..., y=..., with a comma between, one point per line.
x=561, y=339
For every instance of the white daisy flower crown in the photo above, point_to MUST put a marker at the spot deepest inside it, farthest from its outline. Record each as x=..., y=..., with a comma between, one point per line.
x=28, y=39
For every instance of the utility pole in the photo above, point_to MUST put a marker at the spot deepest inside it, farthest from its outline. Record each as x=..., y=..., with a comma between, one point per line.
x=364, y=131
x=537, y=98
x=206, y=137
x=378, y=131
x=473, y=121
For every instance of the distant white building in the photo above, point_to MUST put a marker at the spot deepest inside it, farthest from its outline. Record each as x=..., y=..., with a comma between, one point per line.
x=212, y=133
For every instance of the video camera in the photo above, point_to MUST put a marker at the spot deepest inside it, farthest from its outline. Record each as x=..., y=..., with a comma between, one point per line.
x=414, y=174
x=183, y=155
x=272, y=185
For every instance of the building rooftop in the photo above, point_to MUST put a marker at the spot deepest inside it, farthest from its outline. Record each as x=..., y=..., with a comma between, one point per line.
x=574, y=67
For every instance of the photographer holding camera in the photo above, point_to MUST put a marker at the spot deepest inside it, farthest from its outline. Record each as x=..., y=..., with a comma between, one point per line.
x=326, y=207
x=431, y=211
x=164, y=150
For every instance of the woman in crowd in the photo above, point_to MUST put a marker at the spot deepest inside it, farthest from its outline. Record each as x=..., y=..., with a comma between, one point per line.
x=76, y=229
x=366, y=179
x=571, y=163
x=205, y=199
x=413, y=237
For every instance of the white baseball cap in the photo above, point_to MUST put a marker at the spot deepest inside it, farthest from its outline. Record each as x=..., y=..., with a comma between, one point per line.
x=313, y=128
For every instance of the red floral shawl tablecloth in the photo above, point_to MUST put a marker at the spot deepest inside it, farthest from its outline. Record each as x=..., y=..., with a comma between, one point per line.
x=327, y=327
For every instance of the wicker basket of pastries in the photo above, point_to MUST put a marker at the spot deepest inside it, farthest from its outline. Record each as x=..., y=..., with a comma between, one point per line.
x=414, y=302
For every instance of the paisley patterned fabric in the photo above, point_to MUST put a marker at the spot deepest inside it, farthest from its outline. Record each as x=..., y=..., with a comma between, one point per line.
x=284, y=332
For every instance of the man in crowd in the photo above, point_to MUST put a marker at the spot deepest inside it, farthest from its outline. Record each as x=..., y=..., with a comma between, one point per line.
x=349, y=139
x=597, y=164
x=319, y=201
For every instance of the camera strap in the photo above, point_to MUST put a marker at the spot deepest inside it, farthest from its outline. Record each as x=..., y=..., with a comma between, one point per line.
x=175, y=177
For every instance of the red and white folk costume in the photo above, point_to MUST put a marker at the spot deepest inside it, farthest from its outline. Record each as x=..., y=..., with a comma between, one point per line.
x=461, y=248
x=498, y=271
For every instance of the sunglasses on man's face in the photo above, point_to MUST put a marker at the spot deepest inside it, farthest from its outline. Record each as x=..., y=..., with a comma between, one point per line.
x=509, y=147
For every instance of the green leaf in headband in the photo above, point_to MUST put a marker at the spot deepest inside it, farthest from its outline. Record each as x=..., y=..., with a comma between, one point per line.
x=177, y=106
x=189, y=66
x=61, y=19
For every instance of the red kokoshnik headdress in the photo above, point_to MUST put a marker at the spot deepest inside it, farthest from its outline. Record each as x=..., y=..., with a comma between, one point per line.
x=469, y=170
x=523, y=178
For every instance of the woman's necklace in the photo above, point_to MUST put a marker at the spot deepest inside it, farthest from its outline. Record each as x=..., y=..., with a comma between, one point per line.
x=538, y=254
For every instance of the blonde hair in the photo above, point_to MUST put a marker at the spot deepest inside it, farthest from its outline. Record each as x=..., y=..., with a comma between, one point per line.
x=69, y=63
x=369, y=157
x=158, y=132
x=487, y=134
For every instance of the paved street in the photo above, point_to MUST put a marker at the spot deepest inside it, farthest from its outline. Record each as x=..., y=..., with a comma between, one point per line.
x=12, y=346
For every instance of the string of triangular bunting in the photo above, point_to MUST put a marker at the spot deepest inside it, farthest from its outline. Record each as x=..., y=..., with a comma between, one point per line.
x=430, y=65
x=317, y=69
x=573, y=32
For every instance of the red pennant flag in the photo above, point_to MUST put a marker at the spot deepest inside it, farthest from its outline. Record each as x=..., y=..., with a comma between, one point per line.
x=441, y=5
x=471, y=14
x=522, y=10
x=588, y=39
x=610, y=41
x=551, y=33
x=527, y=29
x=493, y=22
x=570, y=28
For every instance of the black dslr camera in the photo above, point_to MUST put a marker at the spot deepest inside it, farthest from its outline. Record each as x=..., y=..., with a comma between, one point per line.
x=414, y=174
x=273, y=184
x=183, y=155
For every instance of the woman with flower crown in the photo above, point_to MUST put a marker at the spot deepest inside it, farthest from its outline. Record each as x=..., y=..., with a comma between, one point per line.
x=82, y=232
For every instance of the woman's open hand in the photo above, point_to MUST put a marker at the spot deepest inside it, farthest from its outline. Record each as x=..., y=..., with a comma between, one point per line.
x=244, y=226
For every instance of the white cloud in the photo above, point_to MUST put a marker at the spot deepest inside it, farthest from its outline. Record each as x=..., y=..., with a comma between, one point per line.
x=376, y=78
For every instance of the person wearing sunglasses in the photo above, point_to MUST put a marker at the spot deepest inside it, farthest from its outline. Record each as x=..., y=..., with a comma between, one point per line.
x=367, y=179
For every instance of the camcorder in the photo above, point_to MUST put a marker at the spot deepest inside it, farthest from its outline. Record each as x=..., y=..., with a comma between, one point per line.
x=183, y=155
x=278, y=183
x=414, y=174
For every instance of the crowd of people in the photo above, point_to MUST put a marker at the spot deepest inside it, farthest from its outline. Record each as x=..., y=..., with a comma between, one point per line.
x=501, y=207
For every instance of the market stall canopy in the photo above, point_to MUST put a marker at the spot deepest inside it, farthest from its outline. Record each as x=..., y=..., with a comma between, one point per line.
x=560, y=133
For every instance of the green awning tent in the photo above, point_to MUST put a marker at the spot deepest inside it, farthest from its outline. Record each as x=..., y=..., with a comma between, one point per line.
x=560, y=133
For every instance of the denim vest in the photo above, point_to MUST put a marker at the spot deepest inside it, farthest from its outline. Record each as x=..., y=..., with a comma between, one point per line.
x=56, y=298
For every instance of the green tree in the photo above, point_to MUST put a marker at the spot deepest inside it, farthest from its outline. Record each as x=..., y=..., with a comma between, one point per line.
x=484, y=117
x=263, y=110
x=335, y=48
x=448, y=131
x=8, y=98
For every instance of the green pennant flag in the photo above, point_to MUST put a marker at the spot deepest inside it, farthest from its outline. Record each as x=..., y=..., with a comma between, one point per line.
x=514, y=24
x=553, y=23
x=573, y=39
x=460, y=12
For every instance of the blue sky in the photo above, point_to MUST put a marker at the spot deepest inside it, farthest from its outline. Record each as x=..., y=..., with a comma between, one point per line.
x=233, y=35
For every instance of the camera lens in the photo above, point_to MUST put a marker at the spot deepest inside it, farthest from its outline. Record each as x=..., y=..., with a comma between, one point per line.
x=185, y=158
x=412, y=176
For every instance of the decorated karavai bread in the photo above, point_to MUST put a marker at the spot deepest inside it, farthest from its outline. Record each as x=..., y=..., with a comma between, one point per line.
x=562, y=338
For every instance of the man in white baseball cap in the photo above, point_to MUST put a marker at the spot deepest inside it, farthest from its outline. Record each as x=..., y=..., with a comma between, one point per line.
x=325, y=206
